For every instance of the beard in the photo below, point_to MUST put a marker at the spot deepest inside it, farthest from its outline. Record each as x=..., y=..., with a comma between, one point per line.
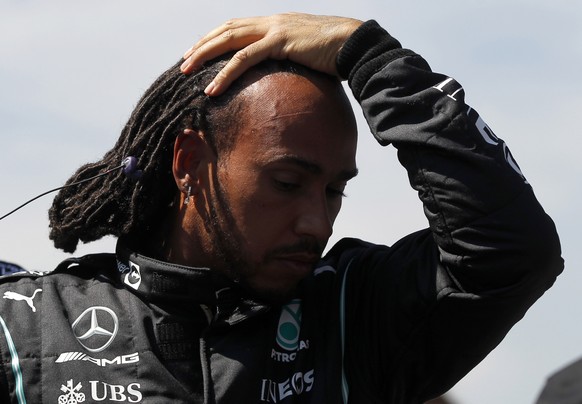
x=225, y=237
x=231, y=257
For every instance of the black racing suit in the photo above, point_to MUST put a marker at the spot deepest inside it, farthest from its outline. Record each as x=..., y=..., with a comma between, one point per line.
x=373, y=323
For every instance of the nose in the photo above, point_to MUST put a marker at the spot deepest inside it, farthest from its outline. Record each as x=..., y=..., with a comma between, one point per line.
x=314, y=220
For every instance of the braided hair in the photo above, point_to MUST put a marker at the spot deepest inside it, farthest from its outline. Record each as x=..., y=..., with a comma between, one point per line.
x=118, y=206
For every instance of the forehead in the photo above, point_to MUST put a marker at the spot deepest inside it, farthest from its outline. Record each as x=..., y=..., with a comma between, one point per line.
x=283, y=92
x=287, y=117
x=280, y=107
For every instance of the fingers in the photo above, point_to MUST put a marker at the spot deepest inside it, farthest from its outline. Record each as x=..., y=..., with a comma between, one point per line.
x=312, y=41
x=232, y=35
x=246, y=36
x=238, y=64
x=230, y=25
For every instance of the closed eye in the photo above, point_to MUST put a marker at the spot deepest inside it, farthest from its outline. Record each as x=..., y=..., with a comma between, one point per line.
x=285, y=186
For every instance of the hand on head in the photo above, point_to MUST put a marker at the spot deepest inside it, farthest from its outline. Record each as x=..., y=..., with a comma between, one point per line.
x=313, y=41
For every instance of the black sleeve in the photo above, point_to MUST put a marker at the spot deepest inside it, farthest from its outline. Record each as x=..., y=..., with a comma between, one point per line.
x=431, y=307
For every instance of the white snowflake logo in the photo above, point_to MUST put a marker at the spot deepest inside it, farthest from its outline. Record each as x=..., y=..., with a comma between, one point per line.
x=72, y=395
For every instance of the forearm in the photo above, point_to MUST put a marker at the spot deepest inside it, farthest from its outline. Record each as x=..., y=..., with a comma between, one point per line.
x=481, y=209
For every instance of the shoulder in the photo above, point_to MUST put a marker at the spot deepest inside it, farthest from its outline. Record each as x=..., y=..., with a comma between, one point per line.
x=350, y=251
x=344, y=251
x=87, y=269
x=36, y=310
x=33, y=300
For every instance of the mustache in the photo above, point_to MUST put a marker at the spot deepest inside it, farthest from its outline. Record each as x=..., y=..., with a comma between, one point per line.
x=303, y=246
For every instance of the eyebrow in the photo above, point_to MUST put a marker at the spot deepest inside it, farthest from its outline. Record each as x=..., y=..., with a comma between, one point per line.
x=314, y=168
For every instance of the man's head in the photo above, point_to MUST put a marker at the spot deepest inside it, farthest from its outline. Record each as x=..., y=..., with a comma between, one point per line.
x=263, y=210
x=265, y=163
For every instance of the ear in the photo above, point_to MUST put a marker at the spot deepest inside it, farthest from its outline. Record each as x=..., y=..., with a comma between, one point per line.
x=192, y=154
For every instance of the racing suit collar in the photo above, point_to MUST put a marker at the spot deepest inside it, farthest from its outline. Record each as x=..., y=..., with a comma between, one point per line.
x=159, y=280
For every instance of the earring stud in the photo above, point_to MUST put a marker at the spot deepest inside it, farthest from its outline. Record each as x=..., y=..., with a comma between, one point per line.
x=188, y=192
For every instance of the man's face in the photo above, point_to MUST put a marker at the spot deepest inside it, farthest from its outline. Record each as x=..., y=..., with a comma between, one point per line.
x=272, y=200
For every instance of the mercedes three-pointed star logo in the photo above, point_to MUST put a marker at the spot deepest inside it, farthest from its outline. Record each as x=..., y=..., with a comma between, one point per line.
x=96, y=328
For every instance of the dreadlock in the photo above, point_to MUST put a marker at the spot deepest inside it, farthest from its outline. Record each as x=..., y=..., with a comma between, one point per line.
x=115, y=205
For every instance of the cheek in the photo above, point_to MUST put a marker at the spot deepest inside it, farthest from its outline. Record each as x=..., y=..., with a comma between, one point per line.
x=264, y=220
x=255, y=218
x=267, y=225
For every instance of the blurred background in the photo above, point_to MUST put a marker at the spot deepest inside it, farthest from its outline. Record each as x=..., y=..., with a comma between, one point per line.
x=72, y=71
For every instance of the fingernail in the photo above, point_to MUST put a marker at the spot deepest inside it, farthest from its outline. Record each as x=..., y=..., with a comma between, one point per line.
x=185, y=65
x=208, y=90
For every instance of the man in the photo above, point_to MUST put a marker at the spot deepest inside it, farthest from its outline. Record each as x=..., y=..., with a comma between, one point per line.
x=217, y=294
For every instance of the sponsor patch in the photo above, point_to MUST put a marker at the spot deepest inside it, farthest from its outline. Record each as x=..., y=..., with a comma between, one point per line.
x=96, y=328
x=80, y=356
x=133, y=277
x=297, y=384
x=18, y=297
x=289, y=326
x=100, y=391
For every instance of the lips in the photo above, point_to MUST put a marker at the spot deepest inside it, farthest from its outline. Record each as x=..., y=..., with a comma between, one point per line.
x=301, y=263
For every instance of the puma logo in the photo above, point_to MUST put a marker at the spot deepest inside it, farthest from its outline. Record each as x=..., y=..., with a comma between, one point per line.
x=18, y=296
